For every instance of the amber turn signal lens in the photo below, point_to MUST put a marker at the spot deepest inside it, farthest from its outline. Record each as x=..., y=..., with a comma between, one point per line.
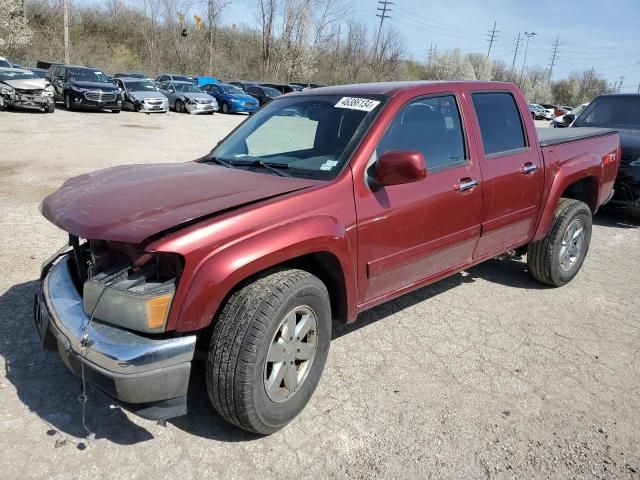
x=157, y=308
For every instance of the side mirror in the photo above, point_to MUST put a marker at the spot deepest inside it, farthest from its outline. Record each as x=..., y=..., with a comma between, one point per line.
x=568, y=118
x=396, y=167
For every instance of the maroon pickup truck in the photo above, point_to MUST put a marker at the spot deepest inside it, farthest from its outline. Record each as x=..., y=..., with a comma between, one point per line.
x=323, y=204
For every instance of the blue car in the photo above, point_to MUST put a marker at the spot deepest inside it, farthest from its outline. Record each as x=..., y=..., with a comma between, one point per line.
x=231, y=99
x=203, y=80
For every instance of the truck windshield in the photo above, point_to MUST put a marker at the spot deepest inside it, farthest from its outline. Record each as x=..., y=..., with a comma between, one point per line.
x=311, y=136
x=615, y=111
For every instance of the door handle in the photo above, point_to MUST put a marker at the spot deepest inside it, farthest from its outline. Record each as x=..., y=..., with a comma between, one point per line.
x=528, y=168
x=465, y=184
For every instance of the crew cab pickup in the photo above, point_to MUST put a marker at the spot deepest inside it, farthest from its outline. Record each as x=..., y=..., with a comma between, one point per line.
x=321, y=205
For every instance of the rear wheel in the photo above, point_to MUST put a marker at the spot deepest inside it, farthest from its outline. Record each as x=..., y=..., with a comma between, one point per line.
x=268, y=350
x=557, y=258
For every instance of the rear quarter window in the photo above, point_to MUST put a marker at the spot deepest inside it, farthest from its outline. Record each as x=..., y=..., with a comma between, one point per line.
x=500, y=122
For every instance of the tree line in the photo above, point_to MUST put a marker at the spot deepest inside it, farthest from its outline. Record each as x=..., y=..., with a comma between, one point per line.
x=318, y=41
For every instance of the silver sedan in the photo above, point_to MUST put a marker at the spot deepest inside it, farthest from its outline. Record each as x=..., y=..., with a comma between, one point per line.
x=187, y=97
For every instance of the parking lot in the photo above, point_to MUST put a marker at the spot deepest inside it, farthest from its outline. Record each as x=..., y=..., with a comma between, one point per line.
x=483, y=375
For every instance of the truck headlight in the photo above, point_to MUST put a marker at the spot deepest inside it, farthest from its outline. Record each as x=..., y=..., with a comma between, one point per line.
x=137, y=300
x=78, y=89
x=635, y=163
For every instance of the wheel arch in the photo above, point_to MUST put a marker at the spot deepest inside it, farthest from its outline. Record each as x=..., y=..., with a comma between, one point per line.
x=322, y=252
x=573, y=180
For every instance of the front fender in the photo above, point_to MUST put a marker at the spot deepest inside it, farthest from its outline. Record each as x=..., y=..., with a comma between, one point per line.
x=217, y=274
x=561, y=177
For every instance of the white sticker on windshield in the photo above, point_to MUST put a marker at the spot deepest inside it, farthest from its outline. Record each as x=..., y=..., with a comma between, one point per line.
x=98, y=73
x=328, y=165
x=353, y=103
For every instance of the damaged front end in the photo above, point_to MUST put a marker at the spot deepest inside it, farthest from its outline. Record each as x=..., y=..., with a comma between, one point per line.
x=103, y=306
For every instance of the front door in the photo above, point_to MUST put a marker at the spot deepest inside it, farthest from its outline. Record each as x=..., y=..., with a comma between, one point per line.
x=412, y=232
x=512, y=174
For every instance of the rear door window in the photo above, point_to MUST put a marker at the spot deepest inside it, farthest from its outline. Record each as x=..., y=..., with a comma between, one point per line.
x=500, y=122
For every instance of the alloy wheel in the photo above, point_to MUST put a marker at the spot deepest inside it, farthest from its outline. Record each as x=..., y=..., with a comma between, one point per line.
x=291, y=354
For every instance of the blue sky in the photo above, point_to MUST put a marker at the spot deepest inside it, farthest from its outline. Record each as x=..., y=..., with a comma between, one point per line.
x=603, y=34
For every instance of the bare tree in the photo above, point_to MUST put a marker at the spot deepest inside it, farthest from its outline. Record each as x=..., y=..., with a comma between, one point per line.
x=15, y=33
x=268, y=11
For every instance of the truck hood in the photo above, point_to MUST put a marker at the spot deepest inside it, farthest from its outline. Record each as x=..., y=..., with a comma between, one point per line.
x=133, y=202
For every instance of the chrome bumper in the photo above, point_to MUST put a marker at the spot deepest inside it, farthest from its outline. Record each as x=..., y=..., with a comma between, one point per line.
x=149, y=376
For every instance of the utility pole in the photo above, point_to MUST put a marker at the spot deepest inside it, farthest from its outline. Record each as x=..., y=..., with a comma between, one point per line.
x=639, y=88
x=553, y=57
x=433, y=51
x=491, y=37
x=620, y=84
x=383, y=14
x=526, y=49
x=65, y=7
x=516, y=49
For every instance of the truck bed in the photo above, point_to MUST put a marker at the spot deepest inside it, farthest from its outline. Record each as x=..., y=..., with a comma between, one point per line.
x=555, y=136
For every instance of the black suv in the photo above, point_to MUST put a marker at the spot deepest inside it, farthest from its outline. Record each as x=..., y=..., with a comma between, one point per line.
x=84, y=88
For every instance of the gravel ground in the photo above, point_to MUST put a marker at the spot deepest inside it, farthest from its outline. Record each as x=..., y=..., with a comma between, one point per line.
x=483, y=375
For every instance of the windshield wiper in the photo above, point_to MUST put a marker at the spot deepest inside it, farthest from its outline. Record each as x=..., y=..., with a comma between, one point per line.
x=274, y=167
x=219, y=161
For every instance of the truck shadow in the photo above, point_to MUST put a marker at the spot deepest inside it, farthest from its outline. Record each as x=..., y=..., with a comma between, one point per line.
x=46, y=388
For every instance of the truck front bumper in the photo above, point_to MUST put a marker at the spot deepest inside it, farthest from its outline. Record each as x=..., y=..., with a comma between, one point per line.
x=148, y=376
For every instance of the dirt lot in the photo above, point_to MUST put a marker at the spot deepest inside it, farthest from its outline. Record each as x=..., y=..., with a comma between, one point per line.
x=483, y=375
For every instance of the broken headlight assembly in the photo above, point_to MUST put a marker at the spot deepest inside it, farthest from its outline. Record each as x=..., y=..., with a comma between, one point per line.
x=135, y=295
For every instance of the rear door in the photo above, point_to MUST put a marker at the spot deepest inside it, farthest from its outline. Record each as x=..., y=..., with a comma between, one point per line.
x=416, y=231
x=512, y=172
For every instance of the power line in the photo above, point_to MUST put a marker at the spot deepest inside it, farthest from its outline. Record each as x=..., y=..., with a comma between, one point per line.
x=491, y=37
x=553, y=57
x=383, y=15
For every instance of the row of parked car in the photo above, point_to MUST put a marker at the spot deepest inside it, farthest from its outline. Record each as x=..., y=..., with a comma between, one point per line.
x=81, y=87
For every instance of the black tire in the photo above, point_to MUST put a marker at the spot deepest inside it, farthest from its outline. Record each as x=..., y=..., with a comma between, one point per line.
x=242, y=335
x=68, y=102
x=225, y=108
x=543, y=257
x=533, y=115
x=179, y=106
x=51, y=108
x=115, y=111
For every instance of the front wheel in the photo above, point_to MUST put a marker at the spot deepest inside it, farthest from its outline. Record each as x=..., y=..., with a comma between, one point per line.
x=557, y=258
x=51, y=107
x=68, y=103
x=179, y=106
x=268, y=350
x=225, y=107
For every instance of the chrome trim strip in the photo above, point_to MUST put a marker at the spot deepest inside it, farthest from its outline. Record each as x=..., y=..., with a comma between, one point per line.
x=112, y=348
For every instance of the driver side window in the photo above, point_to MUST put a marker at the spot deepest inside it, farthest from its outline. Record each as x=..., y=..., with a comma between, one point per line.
x=432, y=126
